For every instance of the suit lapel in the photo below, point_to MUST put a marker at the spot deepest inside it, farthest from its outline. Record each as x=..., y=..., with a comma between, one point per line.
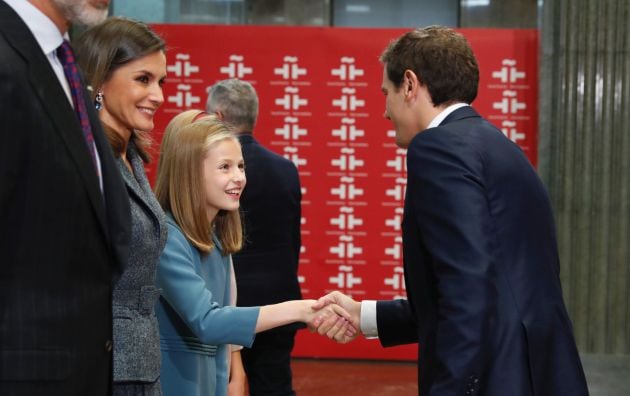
x=53, y=100
x=459, y=114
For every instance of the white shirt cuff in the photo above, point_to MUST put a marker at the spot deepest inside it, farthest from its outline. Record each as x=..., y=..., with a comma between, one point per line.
x=368, y=319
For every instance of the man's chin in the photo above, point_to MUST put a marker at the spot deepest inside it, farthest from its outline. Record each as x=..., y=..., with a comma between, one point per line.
x=90, y=16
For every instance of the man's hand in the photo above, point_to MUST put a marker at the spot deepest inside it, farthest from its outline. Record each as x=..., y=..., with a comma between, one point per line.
x=336, y=327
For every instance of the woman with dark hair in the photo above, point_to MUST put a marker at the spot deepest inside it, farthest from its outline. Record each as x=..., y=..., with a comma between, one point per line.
x=124, y=63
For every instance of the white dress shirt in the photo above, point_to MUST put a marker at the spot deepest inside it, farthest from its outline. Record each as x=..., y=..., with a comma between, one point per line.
x=47, y=35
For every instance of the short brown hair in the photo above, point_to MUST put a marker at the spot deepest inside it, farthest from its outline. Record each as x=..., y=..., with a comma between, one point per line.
x=105, y=47
x=179, y=186
x=442, y=60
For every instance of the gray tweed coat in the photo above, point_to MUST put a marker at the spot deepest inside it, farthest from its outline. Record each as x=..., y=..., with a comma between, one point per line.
x=136, y=334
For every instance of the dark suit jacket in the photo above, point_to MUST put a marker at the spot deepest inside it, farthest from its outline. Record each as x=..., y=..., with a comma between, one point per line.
x=481, y=269
x=60, y=238
x=266, y=268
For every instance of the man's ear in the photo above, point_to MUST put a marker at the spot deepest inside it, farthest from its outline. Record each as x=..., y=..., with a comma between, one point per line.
x=411, y=83
x=219, y=114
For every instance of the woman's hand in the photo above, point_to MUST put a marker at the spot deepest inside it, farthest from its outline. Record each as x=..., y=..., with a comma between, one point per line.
x=238, y=379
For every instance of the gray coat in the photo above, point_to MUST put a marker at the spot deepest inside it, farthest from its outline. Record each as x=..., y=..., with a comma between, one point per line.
x=136, y=333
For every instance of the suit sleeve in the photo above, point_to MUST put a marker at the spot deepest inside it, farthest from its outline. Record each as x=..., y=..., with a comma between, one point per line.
x=187, y=293
x=451, y=209
x=396, y=323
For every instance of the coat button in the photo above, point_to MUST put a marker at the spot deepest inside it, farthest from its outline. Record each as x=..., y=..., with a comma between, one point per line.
x=109, y=346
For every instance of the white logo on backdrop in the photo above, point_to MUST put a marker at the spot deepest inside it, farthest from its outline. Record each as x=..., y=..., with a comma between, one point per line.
x=347, y=160
x=290, y=70
x=291, y=99
x=348, y=100
x=346, y=219
x=395, y=251
x=291, y=130
x=398, y=163
x=236, y=67
x=509, y=103
x=348, y=131
x=347, y=189
x=398, y=191
x=183, y=97
x=182, y=66
x=509, y=129
x=397, y=281
x=291, y=153
x=508, y=73
x=347, y=70
x=396, y=221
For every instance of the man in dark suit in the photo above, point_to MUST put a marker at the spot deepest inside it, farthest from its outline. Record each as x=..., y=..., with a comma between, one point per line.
x=266, y=268
x=480, y=257
x=64, y=217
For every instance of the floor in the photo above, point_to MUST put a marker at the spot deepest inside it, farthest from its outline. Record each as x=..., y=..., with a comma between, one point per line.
x=606, y=376
x=320, y=377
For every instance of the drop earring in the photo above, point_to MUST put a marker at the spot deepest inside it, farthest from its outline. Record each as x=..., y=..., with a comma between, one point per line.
x=98, y=101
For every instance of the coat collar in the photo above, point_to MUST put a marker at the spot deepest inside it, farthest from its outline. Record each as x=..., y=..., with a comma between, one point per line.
x=137, y=183
x=245, y=138
x=461, y=113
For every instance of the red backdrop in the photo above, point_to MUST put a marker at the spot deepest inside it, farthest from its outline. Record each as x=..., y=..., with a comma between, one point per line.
x=321, y=106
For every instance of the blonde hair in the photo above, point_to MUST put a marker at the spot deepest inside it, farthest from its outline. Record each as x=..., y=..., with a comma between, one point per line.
x=180, y=185
x=177, y=123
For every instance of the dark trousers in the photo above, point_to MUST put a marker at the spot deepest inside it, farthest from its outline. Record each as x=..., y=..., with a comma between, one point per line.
x=268, y=363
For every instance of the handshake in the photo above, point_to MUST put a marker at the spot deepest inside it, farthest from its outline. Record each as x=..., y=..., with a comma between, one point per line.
x=335, y=316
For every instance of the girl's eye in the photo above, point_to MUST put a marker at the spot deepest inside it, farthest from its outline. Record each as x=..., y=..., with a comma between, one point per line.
x=241, y=166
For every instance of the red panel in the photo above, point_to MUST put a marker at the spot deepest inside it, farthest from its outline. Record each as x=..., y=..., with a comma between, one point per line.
x=321, y=106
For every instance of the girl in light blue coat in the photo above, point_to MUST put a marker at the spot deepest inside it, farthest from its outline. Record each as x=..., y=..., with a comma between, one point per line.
x=200, y=179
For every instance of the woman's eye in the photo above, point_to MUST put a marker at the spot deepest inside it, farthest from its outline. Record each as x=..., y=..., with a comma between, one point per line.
x=143, y=79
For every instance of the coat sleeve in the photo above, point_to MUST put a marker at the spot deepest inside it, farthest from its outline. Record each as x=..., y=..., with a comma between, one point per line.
x=450, y=207
x=188, y=294
x=396, y=323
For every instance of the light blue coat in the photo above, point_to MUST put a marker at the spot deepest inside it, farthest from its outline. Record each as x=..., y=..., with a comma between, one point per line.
x=195, y=322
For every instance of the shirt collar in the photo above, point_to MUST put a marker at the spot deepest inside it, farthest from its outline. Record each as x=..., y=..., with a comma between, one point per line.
x=45, y=31
x=444, y=113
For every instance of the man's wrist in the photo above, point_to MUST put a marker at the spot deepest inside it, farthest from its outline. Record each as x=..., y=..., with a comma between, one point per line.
x=368, y=322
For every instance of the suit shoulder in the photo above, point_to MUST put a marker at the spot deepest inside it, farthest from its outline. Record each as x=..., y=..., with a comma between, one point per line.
x=260, y=152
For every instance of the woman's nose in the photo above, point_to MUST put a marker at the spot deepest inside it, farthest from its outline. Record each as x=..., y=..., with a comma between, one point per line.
x=157, y=94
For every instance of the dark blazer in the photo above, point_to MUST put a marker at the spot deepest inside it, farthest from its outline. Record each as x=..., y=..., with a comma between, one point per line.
x=481, y=269
x=266, y=268
x=61, y=240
